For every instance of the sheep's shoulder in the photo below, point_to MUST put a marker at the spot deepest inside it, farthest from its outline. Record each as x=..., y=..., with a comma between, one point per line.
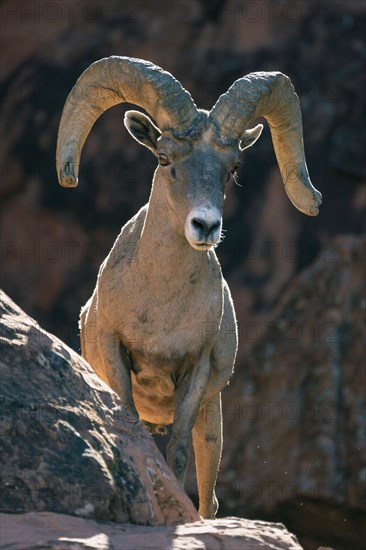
x=124, y=247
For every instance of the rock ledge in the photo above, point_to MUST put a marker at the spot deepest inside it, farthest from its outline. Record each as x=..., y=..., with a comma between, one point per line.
x=49, y=531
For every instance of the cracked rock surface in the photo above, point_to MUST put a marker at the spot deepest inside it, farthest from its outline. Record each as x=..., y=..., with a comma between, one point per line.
x=67, y=445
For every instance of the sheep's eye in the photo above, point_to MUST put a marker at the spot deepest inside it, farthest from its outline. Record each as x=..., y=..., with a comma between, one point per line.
x=163, y=160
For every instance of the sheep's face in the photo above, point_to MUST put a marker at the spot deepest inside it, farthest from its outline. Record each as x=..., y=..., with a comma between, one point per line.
x=192, y=178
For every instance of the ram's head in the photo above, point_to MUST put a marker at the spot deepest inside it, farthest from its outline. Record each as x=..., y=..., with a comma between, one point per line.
x=198, y=151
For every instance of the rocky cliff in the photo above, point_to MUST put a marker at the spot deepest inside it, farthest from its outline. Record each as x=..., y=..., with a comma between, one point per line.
x=67, y=444
x=295, y=410
x=53, y=239
x=71, y=455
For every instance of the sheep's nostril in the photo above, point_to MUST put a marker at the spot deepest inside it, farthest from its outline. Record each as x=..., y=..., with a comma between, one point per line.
x=204, y=228
x=200, y=225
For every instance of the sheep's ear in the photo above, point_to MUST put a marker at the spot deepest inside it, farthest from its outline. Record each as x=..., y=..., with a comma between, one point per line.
x=142, y=128
x=250, y=137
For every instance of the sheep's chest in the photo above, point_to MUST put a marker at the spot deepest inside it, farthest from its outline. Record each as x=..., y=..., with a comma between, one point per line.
x=166, y=311
x=160, y=330
x=165, y=334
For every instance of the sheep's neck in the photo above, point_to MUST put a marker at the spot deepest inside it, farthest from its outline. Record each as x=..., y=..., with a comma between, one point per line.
x=165, y=245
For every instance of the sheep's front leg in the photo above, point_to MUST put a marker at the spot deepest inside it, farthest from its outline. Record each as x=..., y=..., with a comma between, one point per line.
x=116, y=368
x=207, y=443
x=188, y=398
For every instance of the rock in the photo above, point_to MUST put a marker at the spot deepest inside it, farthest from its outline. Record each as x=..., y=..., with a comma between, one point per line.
x=69, y=447
x=295, y=443
x=67, y=444
x=49, y=531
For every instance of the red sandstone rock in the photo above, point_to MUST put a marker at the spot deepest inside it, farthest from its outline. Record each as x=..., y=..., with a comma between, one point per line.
x=51, y=259
x=294, y=412
x=53, y=240
x=48, y=531
x=67, y=445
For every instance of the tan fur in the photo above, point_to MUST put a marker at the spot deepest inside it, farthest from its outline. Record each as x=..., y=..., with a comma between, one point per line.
x=169, y=306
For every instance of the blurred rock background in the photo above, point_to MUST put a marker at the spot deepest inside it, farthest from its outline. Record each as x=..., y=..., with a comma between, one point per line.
x=54, y=239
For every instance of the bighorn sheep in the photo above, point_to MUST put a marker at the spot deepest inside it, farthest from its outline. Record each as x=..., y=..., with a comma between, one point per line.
x=163, y=313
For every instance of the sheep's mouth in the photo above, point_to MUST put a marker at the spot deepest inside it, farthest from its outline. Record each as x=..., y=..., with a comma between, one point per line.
x=202, y=246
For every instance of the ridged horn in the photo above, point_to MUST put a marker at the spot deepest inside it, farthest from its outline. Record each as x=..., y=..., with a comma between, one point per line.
x=271, y=95
x=106, y=83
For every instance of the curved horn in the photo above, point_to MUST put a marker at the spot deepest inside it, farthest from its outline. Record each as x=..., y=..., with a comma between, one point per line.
x=106, y=83
x=271, y=95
